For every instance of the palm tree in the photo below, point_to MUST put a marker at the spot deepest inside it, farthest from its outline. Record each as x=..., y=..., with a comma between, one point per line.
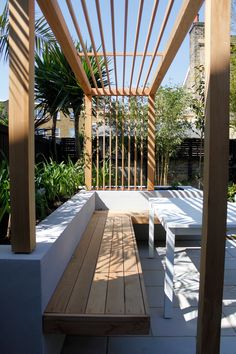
x=68, y=94
x=43, y=33
x=49, y=97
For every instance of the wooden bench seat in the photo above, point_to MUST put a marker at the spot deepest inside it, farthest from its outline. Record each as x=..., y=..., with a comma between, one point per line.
x=101, y=291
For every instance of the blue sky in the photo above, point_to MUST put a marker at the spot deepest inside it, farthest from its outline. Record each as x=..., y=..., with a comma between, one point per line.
x=179, y=67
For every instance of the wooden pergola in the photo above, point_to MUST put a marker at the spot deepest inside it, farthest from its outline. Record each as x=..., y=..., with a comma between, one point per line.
x=21, y=122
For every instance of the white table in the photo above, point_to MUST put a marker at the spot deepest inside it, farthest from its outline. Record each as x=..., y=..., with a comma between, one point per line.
x=179, y=217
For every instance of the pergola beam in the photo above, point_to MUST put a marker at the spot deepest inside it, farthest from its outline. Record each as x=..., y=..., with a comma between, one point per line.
x=185, y=18
x=120, y=92
x=56, y=21
x=121, y=54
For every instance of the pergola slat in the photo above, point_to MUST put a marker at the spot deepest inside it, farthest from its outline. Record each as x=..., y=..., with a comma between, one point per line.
x=86, y=15
x=163, y=26
x=185, y=18
x=125, y=40
x=153, y=16
x=140, y=12
x=103, y=41
x=114, y=39
x=56, y=21
x=77, y=28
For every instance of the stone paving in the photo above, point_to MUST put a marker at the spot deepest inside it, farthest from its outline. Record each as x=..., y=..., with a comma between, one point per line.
x=176, y=335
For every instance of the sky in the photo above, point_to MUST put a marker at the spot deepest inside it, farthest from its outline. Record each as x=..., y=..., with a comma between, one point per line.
x=178, y=70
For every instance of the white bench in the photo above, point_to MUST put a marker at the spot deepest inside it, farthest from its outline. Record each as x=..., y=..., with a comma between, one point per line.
x=179, y=217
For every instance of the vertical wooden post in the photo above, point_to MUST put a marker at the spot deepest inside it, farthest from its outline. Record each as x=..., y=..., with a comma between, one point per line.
x=104, y=145
x=21, y=125
x=135, y=145
x=110, y=141
x=97, y=152
x=141, y=147
x=217, y=46
x=123, y=144
x=129, y=141
x=151, y=163
x=88, y=141
x=116, y=173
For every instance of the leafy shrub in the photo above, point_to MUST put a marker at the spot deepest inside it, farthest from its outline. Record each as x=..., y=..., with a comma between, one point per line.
x=56, y=182
x=231, y=192
x=4, y=190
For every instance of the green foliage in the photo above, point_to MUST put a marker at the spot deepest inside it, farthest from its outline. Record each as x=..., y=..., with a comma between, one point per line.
x=233, y=86
x=43, y=33
x=197, y=103
x=4, y=189
x=231, y=192
x=102, y=170
x=3, y=115
x=171, y=126
x=55, y=182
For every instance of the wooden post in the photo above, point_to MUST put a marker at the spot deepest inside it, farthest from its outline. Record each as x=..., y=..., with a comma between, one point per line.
x=88, y=141
x=151, y=163
x=21, y=125
x=217, y=46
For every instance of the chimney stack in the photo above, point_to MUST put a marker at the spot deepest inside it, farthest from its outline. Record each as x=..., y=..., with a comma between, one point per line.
x=196, y=19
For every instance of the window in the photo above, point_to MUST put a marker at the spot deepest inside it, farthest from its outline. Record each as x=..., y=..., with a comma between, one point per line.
x=40, y=131
x=58, y=132
x=38, y=113
x=58, y=115
x=71, y=132
x=72, y=116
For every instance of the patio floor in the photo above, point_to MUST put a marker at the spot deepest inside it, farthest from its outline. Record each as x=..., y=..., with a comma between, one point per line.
x=176, y=335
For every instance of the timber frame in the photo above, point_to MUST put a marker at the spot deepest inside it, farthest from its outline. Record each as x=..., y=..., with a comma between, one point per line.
x=217, y=112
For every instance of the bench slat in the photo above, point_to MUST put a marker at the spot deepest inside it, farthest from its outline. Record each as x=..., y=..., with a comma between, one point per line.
x=79, y=297
x=64, y=289
x=115, y=303
x=133, y=295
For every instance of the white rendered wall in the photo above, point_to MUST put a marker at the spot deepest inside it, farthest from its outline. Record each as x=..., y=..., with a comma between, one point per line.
x=28, y=281
x=138, y=200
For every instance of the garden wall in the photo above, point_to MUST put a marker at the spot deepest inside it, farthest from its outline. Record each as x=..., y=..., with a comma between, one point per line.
x=28, y=281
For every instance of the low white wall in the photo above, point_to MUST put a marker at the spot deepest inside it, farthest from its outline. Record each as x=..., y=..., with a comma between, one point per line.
x=138, y=200
x=28, y=281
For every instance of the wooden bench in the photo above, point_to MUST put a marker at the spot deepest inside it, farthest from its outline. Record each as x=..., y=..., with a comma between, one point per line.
x=101, y=291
